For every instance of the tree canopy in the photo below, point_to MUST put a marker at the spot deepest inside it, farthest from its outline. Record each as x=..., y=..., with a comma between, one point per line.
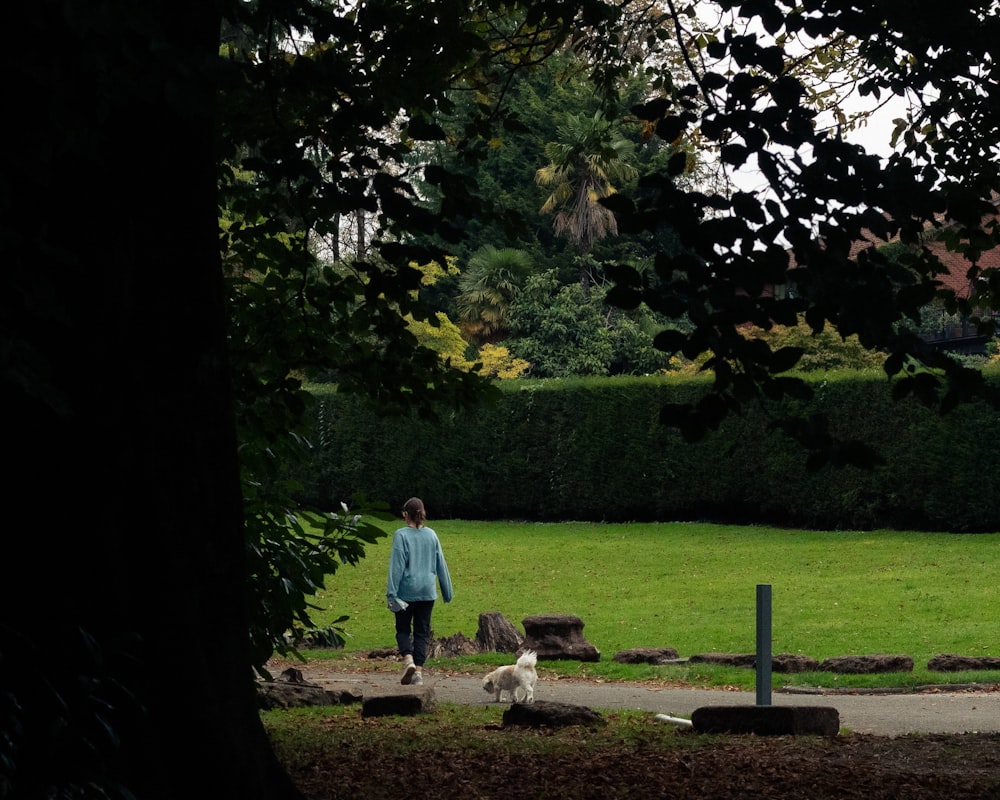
x=824, y=196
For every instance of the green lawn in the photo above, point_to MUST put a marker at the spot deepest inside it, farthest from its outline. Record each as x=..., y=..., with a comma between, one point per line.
x=693, y=587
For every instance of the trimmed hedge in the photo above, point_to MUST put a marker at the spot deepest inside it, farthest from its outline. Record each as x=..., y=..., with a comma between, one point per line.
x=594, y=449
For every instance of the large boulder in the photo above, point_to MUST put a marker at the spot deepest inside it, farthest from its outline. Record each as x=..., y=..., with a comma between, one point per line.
x=545, y=714
x=556, y=637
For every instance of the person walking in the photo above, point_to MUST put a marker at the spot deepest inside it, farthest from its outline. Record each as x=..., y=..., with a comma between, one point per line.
x=416, y=567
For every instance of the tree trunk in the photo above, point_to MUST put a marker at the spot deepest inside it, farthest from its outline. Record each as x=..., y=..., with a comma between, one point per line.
x=335, y=239
x=359, y=221
x=497, y=634
x=122, y=612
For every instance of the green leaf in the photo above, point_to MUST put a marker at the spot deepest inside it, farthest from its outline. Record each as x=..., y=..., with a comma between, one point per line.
x=771, y=59
x=894, y=364
x=735, y=154
x=670, y=341
x=748, y=207
x=713, y=81
x=670, y=129
x=677, y=164
x=618, y=203
x=654, y=109
x=423, y=130
x=794, y=387
x=716, y=49
x=624, y=297
x=785, y=359
x=711, y=410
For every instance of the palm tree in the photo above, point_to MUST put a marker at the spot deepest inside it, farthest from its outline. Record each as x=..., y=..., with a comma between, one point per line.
x=486, y=287
x=589, y=156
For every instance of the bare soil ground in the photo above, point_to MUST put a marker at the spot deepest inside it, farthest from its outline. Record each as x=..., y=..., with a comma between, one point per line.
x=503, y=763
x=938, y=767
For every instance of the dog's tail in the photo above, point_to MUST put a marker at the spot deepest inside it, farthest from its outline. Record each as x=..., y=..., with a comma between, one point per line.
x=527, y=659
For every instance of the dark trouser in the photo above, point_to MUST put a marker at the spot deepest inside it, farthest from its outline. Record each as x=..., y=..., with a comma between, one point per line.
x=413, y=630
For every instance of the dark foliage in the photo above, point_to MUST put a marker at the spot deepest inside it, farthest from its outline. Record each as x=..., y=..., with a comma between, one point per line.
x=825, y=196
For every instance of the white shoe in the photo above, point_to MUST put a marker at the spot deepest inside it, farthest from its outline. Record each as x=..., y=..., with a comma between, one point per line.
x=408, y=669
x=417, y=679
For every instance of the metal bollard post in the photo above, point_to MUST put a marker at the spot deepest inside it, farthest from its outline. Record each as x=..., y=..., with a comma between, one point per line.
x=763, y=644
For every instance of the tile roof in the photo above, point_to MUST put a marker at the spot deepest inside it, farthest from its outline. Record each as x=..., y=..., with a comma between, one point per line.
x=955, y=276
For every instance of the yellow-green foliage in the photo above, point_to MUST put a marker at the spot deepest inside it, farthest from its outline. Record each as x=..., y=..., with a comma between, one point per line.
x=824, y=350
x=445, y=339
x=498, y=363
x=434, y=271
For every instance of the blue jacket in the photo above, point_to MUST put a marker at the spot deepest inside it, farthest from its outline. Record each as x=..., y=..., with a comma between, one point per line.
x=416, y=565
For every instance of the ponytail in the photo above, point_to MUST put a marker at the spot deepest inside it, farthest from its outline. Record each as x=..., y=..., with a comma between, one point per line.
x=414, y=510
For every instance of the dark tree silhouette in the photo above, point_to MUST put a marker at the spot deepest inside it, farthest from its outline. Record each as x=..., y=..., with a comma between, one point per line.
x=829, y=204
x=124, y=647
x=123, y=634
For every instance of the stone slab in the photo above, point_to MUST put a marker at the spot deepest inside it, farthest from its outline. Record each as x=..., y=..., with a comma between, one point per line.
x=767, y=720
x=402, y=704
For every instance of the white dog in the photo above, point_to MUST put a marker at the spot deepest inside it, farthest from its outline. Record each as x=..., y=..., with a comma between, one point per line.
x=517, y=681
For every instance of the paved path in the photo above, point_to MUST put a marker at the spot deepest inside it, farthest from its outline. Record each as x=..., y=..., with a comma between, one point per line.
x=880, y=714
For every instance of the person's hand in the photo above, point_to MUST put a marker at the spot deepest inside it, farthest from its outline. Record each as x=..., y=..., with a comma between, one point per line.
x=396, y=604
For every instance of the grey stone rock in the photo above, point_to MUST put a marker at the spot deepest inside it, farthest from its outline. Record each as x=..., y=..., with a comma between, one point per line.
x=556, y=637
x=546, y=714
x=767, y=720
